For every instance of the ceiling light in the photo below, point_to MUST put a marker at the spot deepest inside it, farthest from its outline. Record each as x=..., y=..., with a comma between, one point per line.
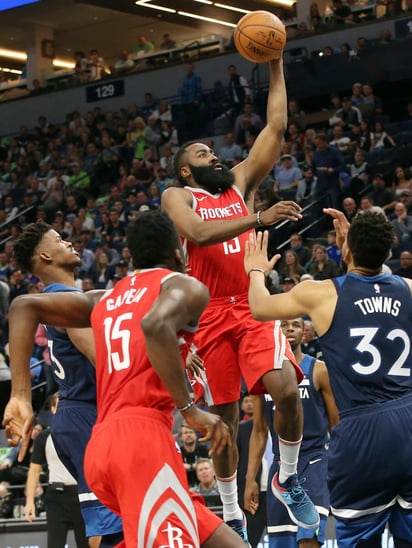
x=11, y=54
x=22, y=56
x=148, y=4
x=13, y=71
x=287, y=3
x=204, y=1
x=208, y=19
x=232, y=8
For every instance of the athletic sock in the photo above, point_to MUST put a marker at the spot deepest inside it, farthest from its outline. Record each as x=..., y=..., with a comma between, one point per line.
x=289, y=454
x=228, y=494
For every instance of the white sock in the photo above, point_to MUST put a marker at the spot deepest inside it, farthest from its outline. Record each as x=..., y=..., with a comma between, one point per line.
x=228, y=493
x=289, y=454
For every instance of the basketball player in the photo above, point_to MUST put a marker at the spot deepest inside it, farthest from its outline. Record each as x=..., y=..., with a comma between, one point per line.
x=41, y=251
x=320, y=415
x=364, y=322
x=211, y=216
x=131, y=461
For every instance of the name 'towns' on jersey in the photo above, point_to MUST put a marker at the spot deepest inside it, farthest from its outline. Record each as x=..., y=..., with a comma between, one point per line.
x=368, y=346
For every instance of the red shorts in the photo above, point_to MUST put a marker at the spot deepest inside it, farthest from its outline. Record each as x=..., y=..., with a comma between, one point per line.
x=233, y=344
x=134, y=468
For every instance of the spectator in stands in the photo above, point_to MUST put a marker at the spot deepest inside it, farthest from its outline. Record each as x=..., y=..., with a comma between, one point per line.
x=372, y=103
x=95, y=65
x=166, y=161
x=380, y=138
x=380, y=195
x=229, y=151
x=327, y=165
x=81, y=73
x=401, y=180
x=191, y=451
x=322, y=267
x=310, y=343
x=332, y=249
x=167, y=42
x=291, y=267
x=340, y=141
x=349, y=208
x=288, y=284
x=123, y=63
x=191, y=96
x=162, y=111
x=239, y=92
x=287, y=177
x=348, y=114
x=255, y=120
x=169, y=136
x=405, y=265
x=143, y=46
x=406, y=199
x=303, y=252
x=357, y=96
x=295, y=136
x=295, y=113
x=342, y=13
x=306, y=189
x=360, y=177
x=402, y=226
x=205, y=475
x=393, y=8
x=149, y=105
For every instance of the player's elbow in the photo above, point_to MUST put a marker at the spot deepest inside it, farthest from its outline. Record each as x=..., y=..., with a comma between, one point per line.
x=155, y=327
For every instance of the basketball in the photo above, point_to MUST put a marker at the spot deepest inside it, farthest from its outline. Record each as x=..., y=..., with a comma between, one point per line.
x=260, y=36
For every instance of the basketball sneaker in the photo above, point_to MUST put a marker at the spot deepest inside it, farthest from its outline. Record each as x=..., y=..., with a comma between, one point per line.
x=239, y=526
x=300, y=508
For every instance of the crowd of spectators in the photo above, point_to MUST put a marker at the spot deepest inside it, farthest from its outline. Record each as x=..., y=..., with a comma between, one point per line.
x=91, y=174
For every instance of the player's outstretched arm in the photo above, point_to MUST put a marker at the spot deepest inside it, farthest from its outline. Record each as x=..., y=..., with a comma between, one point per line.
x=266, y=149
x=26, y=312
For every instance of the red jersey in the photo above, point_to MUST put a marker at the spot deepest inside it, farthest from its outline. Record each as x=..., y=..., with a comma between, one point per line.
x=219, y=266
x=124, y=375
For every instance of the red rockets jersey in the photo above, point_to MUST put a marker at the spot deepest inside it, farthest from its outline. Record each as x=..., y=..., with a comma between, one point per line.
x=219, y=266
x=124, y=375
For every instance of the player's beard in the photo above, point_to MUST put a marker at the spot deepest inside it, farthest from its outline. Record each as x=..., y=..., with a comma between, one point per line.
x=211, y=179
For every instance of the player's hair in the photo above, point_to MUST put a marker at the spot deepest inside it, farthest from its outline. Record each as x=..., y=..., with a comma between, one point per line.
x=370, y=238
x=178, y=161
x=151, y=238
x=25, y=245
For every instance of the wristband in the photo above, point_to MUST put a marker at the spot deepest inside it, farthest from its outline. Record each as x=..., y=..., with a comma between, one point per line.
x=258, y=219
x=256, y=270
x=186, y=407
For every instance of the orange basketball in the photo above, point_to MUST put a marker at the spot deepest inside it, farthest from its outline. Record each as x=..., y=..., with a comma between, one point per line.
x=260, y=36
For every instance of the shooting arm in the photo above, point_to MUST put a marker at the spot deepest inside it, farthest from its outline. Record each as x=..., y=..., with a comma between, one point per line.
x=250, y=173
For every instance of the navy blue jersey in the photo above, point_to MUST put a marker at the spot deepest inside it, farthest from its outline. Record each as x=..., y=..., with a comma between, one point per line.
x=72, y=371
x=315, y=423
x=368, y=345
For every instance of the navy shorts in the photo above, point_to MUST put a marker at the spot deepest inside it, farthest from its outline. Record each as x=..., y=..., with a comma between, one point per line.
x=71, y=430
x=370, y=471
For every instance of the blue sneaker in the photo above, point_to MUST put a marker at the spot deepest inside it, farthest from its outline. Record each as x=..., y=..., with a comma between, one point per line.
x=239, y=526
x=300, y=508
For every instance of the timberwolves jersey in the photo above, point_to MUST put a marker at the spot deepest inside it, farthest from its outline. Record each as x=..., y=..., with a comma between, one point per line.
x=368, y=347
x=219, y=266
x=72, y=371
x=315, y=423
